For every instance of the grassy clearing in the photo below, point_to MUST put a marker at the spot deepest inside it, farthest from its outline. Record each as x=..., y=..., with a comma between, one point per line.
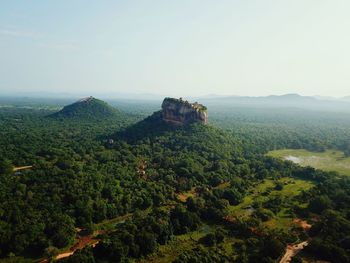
x=266, y=190
x=241, y=210
x=282, y=220
x=223, y=185
x=330, y=160
x=293, y=187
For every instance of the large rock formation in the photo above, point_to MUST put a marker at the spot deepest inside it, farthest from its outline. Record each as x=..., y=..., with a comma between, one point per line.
x=180, y=112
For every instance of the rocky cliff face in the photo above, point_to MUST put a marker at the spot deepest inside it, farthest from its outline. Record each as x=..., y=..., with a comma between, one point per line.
x=180, y=112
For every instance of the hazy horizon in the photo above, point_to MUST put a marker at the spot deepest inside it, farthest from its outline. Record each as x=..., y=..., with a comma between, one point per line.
x=157, y=96
x=180, y=49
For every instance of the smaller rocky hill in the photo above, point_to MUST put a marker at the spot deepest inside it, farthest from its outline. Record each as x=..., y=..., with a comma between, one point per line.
x=180, y=112
x=86, y=108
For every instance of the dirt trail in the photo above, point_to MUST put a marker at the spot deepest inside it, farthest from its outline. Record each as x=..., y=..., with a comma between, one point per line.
x=292, y=250
x=64, y=255
x=83, y=241
x=88, y=240
x=19, y=168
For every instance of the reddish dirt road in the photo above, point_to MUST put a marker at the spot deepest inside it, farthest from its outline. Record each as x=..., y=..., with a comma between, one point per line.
x=292, y=250
x=83, y=241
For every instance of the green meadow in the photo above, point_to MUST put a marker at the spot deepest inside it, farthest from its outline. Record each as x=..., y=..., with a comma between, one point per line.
x=330, y=160
x=265, y=191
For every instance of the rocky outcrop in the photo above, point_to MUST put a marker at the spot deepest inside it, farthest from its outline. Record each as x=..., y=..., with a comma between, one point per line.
x=180, y=112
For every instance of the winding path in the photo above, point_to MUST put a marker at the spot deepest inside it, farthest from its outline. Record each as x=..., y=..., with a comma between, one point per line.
x=88, y=240
x=292, y=250
x=19, y=168
x=83, y=242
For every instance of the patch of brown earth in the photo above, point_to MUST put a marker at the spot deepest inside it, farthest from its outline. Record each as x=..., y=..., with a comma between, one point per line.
x=83, y=241
x=302, y=223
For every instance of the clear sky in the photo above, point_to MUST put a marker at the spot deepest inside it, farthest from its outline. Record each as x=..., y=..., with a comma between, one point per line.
x=176, y=47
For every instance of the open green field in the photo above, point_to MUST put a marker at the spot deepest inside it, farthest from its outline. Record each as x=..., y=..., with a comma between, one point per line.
x=265, y=191
x=330, y=160
x=291, y=187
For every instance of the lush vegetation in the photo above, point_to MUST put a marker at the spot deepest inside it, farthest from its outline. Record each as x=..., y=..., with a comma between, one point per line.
x=87, y=108
x=144, y=190
x=265, y=129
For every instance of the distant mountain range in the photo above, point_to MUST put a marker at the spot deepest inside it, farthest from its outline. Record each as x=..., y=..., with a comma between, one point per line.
x=152, y=96
x=282, y=101
x=149, y=102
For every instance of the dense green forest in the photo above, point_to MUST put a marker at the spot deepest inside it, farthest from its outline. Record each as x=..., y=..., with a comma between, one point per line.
x=137, y=186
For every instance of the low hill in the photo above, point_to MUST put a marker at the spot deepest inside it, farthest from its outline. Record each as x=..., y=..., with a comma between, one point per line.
x=86, y=108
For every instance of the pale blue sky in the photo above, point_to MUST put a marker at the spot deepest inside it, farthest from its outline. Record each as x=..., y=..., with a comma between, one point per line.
x=176, y=47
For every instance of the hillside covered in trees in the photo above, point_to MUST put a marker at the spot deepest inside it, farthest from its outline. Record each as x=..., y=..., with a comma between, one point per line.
x=86, y=108
x=138, y=189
